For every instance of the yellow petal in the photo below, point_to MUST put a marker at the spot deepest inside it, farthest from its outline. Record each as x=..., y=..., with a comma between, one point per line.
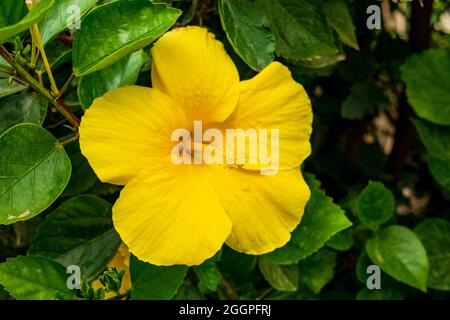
x=273, y=100
x=193, y=68
x=263, y=209
x=126, y=129
x=171, y=215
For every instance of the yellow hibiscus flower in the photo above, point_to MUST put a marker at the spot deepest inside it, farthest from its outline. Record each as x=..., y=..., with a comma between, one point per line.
x=182, y=214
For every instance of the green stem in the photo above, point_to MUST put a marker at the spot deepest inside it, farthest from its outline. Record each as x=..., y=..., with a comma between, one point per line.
x=229, y=290
x=57, y=103
x=71, y=139
x=66, y=86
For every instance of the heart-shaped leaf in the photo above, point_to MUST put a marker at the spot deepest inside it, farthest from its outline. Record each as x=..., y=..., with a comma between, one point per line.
x=34, y=170
x=399, y=252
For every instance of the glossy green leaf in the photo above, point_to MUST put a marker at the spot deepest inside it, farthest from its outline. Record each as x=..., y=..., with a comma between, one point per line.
x=300, y=28
x=436, y=139
x=35, y=278
x=400, y=253
x=9, y=87
x=376, y=205
x=365, y=98
x=79, y=232
x=26, y=107
x=208, y=274
x=63, y=14
x=12, y=12
x=131, y=25
x=341, y=241
x=427, y=84
x=34, y=170
x=83, y=177
x=281, y=277
x=320, y=65
x=317, y=270
x=123, y=72
x=150, y=282
x=338, y=17
x=322, y=219
x=247, y=30
x=9, y=19
x=435, y=236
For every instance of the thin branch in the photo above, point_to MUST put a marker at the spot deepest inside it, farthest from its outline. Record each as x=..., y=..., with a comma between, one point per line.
x=65, y=86
x=58, y=104
x=229, y=290
x=36, y=36
x=71, y=139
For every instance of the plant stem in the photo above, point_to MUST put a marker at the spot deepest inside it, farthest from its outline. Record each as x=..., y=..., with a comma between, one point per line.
x=71, y=139
x=33, y=51
x=36, y=36
x=57, y=103
x=229, y=290
x=265, y=293
x=65, y=86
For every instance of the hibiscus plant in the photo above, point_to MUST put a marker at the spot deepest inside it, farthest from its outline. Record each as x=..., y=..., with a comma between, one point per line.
x=224, y=149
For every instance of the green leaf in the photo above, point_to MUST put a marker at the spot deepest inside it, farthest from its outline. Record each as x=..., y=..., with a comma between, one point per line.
x=188, y=291
x=12, y=12
x=341, y=241
x=9, y=18
x=361, y=267
x=338, y=17
x=317, y=270
x=435, y=236
x=9, y=87
x=322, y=219
x=121, y=27
x=83, y=177
x=61, y=16
x=35, y=278
x=399, y=253
x=376, y=205
x=79, y=232
x=281, y=277
x=436, y=139
x=427, y=84
x=150, y=282
x=300, y=29
x=246, y=27
x=381, y=294
x=208, y=274
x=34, y=170
x=123, y=72
x=26, y=107
x=364, y=98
